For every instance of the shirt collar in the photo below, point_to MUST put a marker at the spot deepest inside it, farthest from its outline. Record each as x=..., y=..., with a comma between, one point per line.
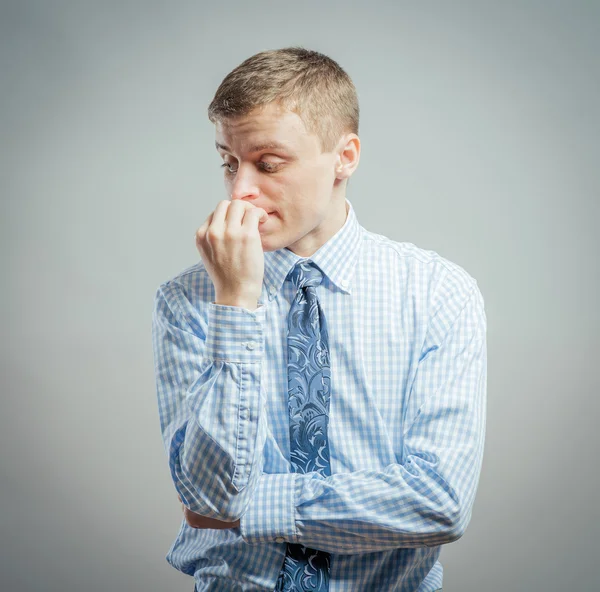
x=336, y=258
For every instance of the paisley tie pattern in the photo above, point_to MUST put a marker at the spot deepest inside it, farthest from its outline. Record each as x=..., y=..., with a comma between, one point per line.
x=309, y=377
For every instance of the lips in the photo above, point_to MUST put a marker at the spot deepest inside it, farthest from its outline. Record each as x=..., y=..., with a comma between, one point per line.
x=268, y=218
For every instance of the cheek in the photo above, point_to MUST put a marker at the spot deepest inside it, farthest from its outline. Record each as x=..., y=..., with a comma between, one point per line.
x=293, y=194
x=320, y=179
x=303, y=187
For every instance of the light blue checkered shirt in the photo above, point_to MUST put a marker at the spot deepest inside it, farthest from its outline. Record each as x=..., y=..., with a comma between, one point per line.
x=407, y=338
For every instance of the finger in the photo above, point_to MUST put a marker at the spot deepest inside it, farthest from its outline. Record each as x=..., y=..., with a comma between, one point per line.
x=254, y=216
x=239, y=209
x=235, y=212
x=202, y=229
x=218, y=216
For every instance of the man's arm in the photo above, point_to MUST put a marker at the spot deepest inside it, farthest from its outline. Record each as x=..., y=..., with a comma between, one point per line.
x=210, y=405
x=426, y=498
x=197, y=521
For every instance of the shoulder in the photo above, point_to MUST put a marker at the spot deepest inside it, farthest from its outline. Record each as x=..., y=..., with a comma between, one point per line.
x=429, y=266
x=193, y=276
x=437, y=288
x=189, y=291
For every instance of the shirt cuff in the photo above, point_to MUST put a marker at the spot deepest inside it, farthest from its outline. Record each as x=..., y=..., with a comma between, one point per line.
x=235, y=333
x=270, y=516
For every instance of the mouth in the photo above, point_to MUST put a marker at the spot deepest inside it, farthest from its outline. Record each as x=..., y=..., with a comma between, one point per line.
x=270, y=216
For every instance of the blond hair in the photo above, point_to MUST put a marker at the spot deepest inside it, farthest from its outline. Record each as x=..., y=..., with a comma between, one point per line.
x=301, y=80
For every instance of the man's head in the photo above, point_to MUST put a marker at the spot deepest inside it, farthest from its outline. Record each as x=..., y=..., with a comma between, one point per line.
x=286, y=126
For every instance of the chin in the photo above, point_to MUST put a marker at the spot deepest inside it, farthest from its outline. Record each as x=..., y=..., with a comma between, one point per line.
x=269, y=245
x=273, y=243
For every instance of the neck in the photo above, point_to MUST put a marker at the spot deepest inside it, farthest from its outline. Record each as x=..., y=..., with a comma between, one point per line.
x=310, y=244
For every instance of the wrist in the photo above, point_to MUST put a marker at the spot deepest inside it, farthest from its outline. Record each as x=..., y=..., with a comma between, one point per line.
x=250, y=304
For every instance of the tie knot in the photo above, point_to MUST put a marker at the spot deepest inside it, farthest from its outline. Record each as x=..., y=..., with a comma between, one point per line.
x=305, y=273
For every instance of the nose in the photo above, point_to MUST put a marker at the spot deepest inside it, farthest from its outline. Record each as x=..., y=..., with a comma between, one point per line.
x=245, y=183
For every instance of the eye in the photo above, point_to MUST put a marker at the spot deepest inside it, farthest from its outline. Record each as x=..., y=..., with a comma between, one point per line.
x=225, y=166
x=268, y=167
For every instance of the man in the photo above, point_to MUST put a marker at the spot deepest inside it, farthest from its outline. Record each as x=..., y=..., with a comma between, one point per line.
x=359, y=486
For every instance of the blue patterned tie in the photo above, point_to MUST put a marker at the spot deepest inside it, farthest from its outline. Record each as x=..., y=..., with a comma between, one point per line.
x=308, y=404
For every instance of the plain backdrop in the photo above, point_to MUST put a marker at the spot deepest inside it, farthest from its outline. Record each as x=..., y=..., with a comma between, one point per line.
x=479, y=127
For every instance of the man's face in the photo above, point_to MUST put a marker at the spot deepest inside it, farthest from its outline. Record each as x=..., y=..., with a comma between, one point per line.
x=272, y=161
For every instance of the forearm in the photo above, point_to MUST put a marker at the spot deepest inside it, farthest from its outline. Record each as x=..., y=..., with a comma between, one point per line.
x=215, y=457
x=210, y=404
x=360, y=512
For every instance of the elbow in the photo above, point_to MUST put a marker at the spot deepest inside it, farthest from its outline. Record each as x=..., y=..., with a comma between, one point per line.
x=455, y=526
x=228, y=514
x=444, y=526
x=453, y=533
x=210, y=489
x=221, y=508
x=198, y=520
x=232, y=509
x=225, y=503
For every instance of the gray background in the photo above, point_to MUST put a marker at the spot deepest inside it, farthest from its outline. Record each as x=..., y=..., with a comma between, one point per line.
x=480, y=125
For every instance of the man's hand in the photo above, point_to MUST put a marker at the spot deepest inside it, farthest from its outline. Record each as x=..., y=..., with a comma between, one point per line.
x=198, y=521
x=230, y=245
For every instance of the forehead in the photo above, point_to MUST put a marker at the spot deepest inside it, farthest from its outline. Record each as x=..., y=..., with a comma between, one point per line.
x=268, y=127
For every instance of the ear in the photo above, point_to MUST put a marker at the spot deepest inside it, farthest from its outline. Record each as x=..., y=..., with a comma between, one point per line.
x=347, y=157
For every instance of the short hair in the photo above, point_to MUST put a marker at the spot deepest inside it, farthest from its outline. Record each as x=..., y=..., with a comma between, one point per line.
x=303, y=81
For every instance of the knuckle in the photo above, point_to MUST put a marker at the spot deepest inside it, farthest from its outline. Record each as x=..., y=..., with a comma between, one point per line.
x=230, y=234
x=212, y=235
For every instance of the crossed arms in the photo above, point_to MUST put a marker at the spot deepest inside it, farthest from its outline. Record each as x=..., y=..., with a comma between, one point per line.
x=214, y=429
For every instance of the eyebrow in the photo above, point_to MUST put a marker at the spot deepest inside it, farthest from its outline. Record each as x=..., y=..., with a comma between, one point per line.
x=258, y=147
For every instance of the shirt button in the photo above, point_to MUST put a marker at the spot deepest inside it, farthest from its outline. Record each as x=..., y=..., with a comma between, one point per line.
x=251, y=344
x=280, y=539
x=344, y=283
x=272, y=291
